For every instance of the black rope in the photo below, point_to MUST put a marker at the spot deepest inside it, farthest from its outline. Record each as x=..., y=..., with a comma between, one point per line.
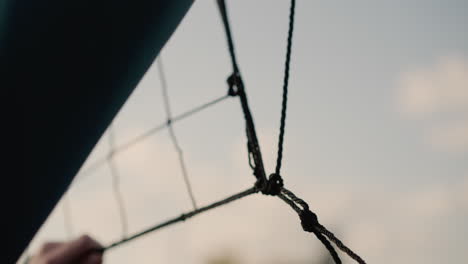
x=290, y=203
x=236, y=83
x=328, y=246
x=227, y=28
x=310, y=223
x=180, y=153
x=183, y=217
x=285, y=88
x=295, y=199
x=340, y=244
x=274, y=184
x=271, y=186
x=116, y=186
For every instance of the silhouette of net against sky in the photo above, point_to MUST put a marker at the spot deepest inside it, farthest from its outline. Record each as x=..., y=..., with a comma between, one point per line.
x=271, y=185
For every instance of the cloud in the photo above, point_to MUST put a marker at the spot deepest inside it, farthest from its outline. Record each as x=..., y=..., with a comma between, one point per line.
x=451, y=137
x=442, y=87
x=435, y=94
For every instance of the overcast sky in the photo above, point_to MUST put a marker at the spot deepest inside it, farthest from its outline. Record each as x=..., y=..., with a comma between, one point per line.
x=376, y=138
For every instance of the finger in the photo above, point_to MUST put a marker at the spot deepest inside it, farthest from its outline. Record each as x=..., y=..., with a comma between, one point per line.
x=44, y=251
x=74, y=250
x=93, y=258
x=47, y=247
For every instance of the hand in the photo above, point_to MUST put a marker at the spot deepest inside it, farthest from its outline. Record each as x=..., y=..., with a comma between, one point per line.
x=83, y=250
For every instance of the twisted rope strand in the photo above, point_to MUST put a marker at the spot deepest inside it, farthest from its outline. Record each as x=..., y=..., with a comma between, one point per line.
x=296, y=199
x=183, y=167
x=290, y=203
x=116, y=186
x=285, y=88
x=315, y=227
x=140, y=138
x=235, y=80
x=227, y=29
x=174, y=140
x=183, y=217
x=340, y=244
x=329, y=247
x=272, y=186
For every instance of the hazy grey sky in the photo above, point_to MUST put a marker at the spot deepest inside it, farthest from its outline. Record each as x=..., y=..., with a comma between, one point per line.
x=376, y=138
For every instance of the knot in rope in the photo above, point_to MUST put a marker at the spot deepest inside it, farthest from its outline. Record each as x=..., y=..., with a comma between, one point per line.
x=235, y=84
x=309, y=220
x=183, y=217
x=273, y=185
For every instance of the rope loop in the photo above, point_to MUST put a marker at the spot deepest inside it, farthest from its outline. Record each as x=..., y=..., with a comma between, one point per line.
x=183, y=217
